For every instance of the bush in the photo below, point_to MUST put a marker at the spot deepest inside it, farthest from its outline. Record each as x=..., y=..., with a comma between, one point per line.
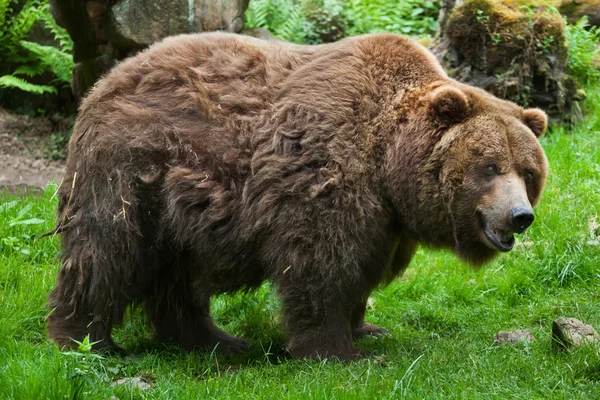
x=409, y=17
x=582, y=42
x=322, y=21
x=325, y=22
x=284, y=18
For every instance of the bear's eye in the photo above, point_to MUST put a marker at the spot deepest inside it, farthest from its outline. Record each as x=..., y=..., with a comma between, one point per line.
x=491, y=169
x=528, y=175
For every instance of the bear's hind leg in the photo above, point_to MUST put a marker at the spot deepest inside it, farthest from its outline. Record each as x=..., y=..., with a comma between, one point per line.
x=178, y=316
x=81, y=306
x=104, y=269
x=66, y=330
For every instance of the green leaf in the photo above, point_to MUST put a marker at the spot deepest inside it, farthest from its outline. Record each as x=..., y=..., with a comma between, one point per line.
x=31, y=221
x=29, y=70
x=24, y=211
x=60, y=63
x=9, y=81
x=9, y=205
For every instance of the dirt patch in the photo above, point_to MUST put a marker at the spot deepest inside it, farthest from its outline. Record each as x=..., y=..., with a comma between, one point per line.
x=25, y=145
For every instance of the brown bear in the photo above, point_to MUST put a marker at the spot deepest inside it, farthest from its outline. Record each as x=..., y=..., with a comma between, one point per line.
x=210, y=163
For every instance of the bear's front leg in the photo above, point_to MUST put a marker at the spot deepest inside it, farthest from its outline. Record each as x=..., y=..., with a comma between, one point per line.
x=360, y=327
x=319, y=321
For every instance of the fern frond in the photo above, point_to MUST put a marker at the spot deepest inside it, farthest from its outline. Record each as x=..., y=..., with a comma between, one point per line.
x=30, y=70
x=291, y=28
x=5, y=9
x=257, y=15
x=60, y=33
x=60, y=63
x=9, y=81
x=17, y=27
x=582, y=45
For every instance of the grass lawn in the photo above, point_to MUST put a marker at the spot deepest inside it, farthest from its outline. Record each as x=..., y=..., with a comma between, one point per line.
x=441, y=315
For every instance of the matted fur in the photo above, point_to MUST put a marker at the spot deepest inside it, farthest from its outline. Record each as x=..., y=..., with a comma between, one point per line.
x=212, y=162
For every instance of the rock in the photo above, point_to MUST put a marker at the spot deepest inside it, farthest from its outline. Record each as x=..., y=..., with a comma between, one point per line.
x=513, y=53
x=38, y=165
x=568, y=332
x=261, y=33
x=513, y=337
x=144, y=22
x=574, y=10
x=106, y=31
x=137, y=381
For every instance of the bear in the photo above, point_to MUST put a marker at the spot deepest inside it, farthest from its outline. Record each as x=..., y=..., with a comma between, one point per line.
x=211, y=162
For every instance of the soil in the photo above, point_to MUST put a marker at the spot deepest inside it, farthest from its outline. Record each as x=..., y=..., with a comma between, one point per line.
x=25, y=146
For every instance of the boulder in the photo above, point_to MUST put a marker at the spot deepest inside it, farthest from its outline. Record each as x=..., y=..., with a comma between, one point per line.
x=515, y=53
x=143, y=22
x=574, y=10
x=568, y=332
x=106, y=31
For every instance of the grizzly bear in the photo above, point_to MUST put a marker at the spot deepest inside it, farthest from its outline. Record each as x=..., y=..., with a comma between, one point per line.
x=210, y=163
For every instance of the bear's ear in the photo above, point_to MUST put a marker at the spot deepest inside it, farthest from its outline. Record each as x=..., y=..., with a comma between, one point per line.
x=536, y=120
x=448, y=105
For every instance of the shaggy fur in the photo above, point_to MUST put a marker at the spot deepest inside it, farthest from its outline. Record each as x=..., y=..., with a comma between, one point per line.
x=212, y=162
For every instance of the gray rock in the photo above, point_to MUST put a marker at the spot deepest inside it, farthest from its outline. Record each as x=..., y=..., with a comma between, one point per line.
x=568, y=332
x=38, y=165
x=513, y=337
x=106, y=31
x=261, y=33
x=143, y=22
x=137, y=381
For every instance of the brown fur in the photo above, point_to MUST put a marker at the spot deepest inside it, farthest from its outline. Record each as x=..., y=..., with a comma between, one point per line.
x=212, y=162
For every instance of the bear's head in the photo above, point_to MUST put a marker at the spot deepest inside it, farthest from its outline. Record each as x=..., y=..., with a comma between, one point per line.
x=483, y=173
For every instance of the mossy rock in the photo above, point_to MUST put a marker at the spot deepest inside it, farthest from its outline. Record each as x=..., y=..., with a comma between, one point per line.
x=574, y=10
x=517, y=53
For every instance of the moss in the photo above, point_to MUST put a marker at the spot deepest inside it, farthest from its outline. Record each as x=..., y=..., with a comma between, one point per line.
x=425, y=41
x=573, y=5
x=534, y=3
x=490, y=33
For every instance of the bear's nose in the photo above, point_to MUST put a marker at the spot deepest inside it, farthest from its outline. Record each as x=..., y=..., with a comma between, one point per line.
x=520, y=218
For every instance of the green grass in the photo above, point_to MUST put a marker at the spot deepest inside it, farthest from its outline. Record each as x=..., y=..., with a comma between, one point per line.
x=441, y=315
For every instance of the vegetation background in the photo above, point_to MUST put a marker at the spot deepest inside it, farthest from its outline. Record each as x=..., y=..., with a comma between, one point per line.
x=442, y=316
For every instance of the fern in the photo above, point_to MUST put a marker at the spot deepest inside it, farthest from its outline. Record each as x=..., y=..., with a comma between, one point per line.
x=30, y=70
x=57, y=61
x=5, y=9
x=257, y=15
x=411, y=17
x=291, y=28
x=10, y=81
x=33, y=59
x=291, y=20
x=60, y=33
x=582, y=42
x=284, y=18
x=17, y=27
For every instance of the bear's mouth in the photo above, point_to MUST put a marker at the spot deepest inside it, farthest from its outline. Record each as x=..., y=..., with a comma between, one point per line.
x=502, y=240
